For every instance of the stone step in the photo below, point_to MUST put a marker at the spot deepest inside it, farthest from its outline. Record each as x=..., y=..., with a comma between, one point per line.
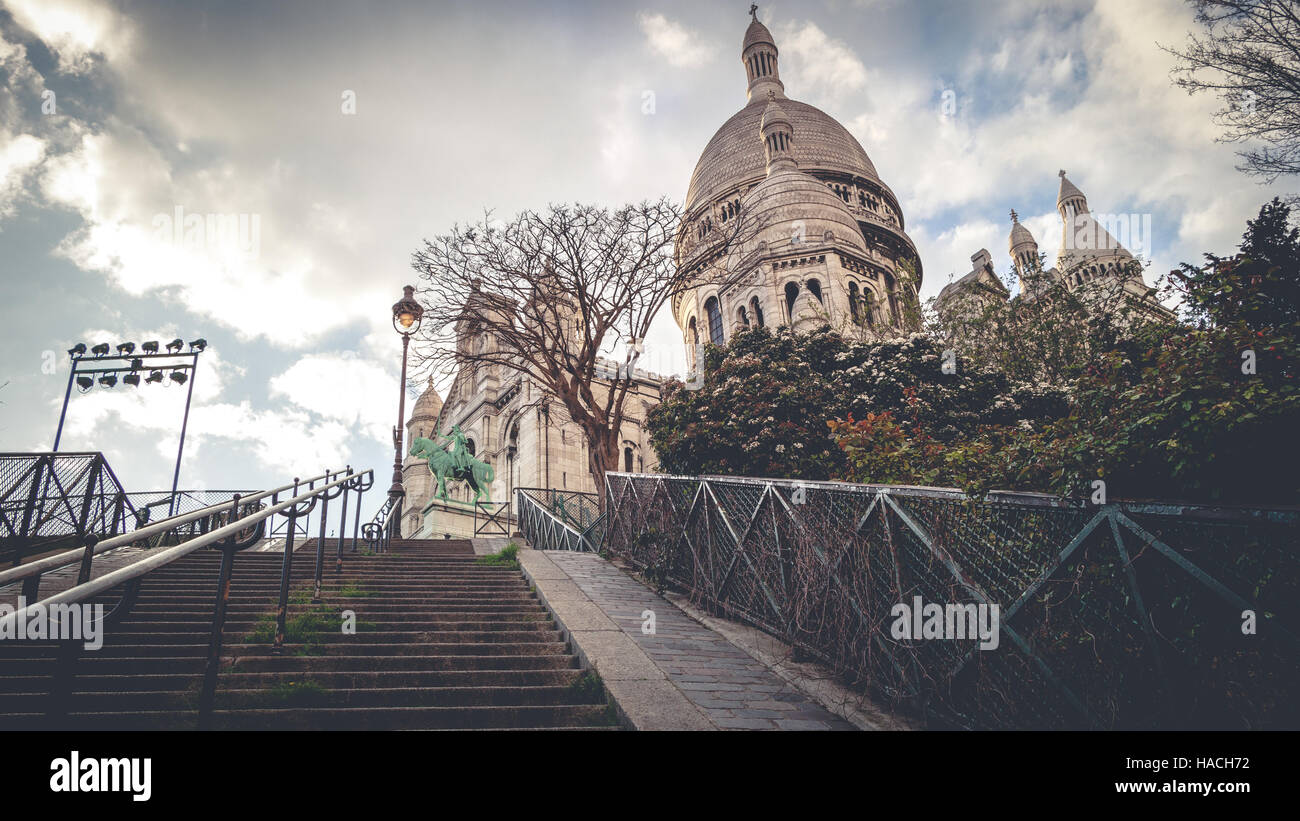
x=334, y=680
x=442, y=642
x=335, y=718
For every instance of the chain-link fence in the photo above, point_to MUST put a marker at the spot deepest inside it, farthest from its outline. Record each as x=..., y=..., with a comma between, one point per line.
x=1114, y=616
x=49, y=497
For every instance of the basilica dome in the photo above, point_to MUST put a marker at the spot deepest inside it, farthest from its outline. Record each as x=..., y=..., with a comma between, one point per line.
x=735, y=154
x=790, y=198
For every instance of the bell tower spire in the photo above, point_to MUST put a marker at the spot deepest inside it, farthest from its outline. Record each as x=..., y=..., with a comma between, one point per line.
x=758, y=54
x=778, y=136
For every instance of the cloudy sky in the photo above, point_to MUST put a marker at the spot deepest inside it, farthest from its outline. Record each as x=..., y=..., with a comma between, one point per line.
x=343, y=133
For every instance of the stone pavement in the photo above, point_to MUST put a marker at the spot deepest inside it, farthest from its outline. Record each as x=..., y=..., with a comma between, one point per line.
x=604, y=609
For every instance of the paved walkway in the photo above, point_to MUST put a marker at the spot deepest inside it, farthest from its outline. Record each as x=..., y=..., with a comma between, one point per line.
x=726, y=684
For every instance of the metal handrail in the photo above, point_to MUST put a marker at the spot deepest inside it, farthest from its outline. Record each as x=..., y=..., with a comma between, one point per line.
x=226, y=537
x=77, y=554
x=108, y=581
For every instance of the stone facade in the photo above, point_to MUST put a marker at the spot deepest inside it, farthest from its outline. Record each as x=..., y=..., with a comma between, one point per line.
x=789, y=205
x=525, y=434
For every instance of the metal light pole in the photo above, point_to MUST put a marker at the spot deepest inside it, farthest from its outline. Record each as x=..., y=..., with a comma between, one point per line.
x=145, y=367
x=407, y=314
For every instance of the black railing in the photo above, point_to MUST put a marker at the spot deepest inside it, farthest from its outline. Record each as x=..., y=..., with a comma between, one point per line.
x=49, y=499
x=1123, y=615
x=552, y=519
x=236, y=525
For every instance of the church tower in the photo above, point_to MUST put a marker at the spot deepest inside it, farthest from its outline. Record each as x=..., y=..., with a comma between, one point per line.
x=416, y=478
x=1022, y=245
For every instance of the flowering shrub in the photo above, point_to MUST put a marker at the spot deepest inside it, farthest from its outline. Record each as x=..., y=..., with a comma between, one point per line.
x=768, y=399
x=1202, y=413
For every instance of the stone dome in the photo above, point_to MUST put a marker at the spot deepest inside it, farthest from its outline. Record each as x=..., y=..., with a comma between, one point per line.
x=773, y=114
x=1019, y=236
x=790, y=197
x=735, y=155
x=1068, y=191
x=428, y=405
x=757, y=33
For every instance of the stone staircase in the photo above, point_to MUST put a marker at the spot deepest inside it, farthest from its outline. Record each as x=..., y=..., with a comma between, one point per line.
x=441, y=642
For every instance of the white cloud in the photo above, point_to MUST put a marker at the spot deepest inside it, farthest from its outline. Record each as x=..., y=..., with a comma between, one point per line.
x=18, y=155
x=345, y=388
x=680, y=46
x=826, y=68
x=74, y=29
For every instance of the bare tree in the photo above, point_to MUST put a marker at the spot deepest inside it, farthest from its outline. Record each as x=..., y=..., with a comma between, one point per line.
x=1249, y=56
x=551, y=295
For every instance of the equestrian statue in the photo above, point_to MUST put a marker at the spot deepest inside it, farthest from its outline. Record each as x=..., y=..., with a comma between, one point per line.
x=456, y=463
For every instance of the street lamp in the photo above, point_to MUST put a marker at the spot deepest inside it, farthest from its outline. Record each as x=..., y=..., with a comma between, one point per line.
x=407, y=314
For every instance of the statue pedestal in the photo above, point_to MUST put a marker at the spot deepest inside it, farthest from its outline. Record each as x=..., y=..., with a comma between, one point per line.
x=462, y=521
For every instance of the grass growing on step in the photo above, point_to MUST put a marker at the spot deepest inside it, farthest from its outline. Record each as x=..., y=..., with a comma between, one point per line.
x=304, y=693
x=506, y=557
x=355, y=590
x=304, y=628
x=588, y=686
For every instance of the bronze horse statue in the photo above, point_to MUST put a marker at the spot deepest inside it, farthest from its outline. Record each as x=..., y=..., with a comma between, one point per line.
x=442, y=464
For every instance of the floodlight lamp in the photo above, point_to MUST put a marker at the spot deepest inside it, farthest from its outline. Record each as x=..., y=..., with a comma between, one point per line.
x=77, y=350
x=100, y=350
x=85, y=383
x=179, y=377
x=198, y=345
x=132, y=379
x=137, y=364
x=150, y=347
x=108, y=380
x=154, y=377
x=126, y=348
x=175, y=345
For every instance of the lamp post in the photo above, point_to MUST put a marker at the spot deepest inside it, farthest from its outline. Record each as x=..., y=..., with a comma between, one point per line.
x=407, y=314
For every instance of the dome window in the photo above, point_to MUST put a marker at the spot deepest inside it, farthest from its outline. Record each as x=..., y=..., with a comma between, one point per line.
x=715, y=320
x=815, y=288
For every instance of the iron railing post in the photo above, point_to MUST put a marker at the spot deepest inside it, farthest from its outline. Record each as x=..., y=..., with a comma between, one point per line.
x=213, y=665
x=343, y=524
x=286, y=569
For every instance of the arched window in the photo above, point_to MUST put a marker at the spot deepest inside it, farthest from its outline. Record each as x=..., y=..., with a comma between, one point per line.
x=816, y=288
x=757, y=311
x=892, y=295
x=471, y=447
x=791, y=294
x=692, y=341
x=627, y=460
x=853, y=302
x=715, y=320
x=869, y=307
x=742, y=316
